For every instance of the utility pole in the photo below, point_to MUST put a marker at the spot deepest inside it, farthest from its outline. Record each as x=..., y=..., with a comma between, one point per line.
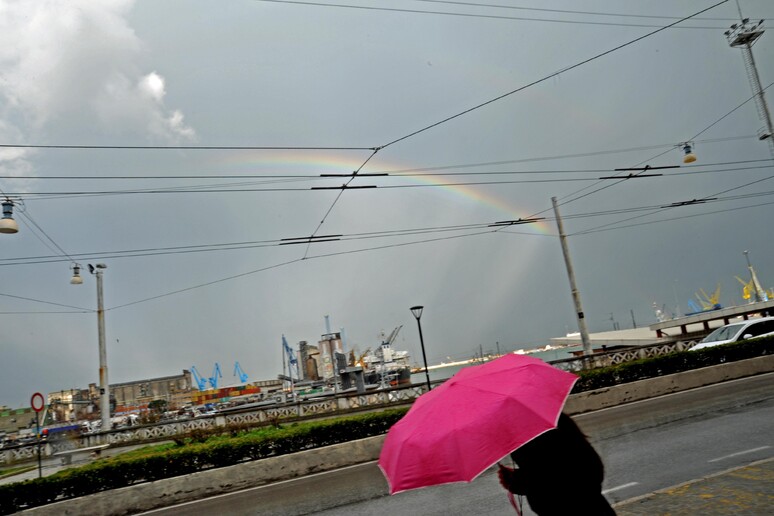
x=104, y=391
x=575, y=293
x=743, y=35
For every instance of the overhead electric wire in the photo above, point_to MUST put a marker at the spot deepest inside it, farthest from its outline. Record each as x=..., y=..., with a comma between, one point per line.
x=290, y=262
x=242, y=245
x=671, y=146
x=473, y=15
x=229, y=246
x=651, y=159
x=51, y=312
x=657, y=210
x=565, y=11
x=338, y=196
x=398, y=172
x=547, y=77
x=177, y=147
x=206, y=284
x=28, y=217
x=240, y=188
x=44, y=302
x=603, y=229
x=328, y=255
x=376, y=149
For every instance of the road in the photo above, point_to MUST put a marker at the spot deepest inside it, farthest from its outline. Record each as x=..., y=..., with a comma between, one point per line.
x=646, y=446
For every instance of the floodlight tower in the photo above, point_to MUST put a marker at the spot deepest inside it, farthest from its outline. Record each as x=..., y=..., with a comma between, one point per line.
x=743, y=35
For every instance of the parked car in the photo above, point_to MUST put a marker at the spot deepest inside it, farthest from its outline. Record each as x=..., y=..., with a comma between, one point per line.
x=735, y=332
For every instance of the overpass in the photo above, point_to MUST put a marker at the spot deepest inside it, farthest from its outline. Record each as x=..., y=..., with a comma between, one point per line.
x=698, y=325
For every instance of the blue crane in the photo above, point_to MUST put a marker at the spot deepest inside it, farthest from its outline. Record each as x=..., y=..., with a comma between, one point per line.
x=215, y=375
x=238, y=371
x=200, y=382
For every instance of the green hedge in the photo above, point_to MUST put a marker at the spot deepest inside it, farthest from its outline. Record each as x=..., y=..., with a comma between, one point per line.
x=672, y=363
x=192, y=457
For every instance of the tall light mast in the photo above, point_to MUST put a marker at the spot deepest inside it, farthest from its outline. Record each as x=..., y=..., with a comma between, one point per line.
x=743, y=35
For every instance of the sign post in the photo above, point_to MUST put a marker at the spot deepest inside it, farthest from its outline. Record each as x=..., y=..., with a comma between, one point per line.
x=38, y=402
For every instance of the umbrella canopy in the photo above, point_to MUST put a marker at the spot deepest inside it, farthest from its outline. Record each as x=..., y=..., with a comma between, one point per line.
x=457, y=430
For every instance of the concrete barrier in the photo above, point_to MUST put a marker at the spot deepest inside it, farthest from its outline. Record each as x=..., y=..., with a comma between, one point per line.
x=171, y=491
x=652, y=387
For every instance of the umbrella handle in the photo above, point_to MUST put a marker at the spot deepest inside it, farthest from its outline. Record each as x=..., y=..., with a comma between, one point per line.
x=516, y=505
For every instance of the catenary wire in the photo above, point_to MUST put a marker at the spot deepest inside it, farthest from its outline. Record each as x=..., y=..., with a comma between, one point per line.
x=438, y=123
x=547, y=77
x=578, y=197
x=283, y=264
x=232, y=246
x=565, y=11
x=417, y=172
x=473, y=15
x=204, y=189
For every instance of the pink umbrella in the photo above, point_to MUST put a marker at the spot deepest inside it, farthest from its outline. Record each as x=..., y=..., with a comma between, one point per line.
x=456, y=431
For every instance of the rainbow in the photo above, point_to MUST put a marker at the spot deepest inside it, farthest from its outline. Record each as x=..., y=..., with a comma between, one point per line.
x=335, y=162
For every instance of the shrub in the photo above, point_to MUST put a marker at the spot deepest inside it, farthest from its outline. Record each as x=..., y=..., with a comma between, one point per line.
x=200, y=452
x=672, y=363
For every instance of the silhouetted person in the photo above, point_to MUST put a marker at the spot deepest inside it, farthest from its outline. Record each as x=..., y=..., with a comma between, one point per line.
x=559, y=472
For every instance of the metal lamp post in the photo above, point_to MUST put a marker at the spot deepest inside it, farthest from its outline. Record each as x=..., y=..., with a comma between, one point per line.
x=417, y=311
x=104, y=392
x=753, y=279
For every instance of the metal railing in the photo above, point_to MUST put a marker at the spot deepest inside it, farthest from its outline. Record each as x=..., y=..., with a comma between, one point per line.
x=620, y=356
x=305, y=409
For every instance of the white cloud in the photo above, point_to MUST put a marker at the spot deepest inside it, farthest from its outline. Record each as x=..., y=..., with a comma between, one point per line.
x=79, y=62
x=153, y=86
x=176, y=125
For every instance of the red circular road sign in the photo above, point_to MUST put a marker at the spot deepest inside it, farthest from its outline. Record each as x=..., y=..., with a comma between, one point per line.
x=37, y=402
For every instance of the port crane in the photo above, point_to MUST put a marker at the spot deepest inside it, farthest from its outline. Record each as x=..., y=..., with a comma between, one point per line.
x=385, y=350
x=215, y=375
x=392, y=335
x=708, y=302
x=238, y=372
x=200, y=382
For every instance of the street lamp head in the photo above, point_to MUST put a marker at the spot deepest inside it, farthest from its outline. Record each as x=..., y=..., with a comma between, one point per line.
x=93, y=268
x=689, y=157
x=76, y=279
x=417, y=311
x=7, y=224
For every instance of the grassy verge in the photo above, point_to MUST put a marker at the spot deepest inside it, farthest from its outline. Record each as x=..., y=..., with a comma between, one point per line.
x=7, y=472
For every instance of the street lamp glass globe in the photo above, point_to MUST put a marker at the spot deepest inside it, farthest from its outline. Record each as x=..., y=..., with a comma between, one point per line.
x=417, y=311
x=8, y=226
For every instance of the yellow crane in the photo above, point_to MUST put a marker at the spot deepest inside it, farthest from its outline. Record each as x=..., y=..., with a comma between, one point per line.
x=709, y=302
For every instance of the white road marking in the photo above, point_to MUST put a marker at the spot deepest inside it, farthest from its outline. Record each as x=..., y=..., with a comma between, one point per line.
x=618, y=488
x=739, y=453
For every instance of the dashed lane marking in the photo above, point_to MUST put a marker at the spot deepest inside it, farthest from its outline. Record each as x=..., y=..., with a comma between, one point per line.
x=745, y=452
x=618, y=488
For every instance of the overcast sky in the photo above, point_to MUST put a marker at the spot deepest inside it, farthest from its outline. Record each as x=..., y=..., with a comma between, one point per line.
x=471, y=121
